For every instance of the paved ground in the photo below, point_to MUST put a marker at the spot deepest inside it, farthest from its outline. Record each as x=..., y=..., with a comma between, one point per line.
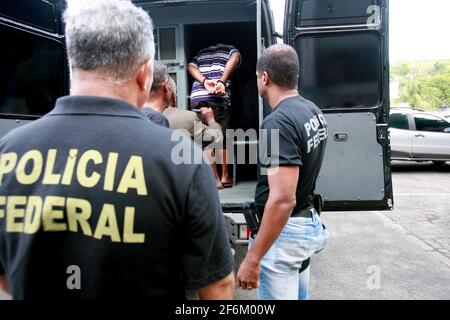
x=403, y=254
x=422, y=201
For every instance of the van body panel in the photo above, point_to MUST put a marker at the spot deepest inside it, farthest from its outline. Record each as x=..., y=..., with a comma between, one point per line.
x=34, y=13
x=331, y=13
x=34, y=66
x=6, y=125
x=190, y=13
x=352, y=149
x=344, y=69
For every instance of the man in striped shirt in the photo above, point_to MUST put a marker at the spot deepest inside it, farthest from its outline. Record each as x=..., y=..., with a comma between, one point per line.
x=212, y=69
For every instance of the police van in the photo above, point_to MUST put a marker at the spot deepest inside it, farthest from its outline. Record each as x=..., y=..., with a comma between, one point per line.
x=344, y=69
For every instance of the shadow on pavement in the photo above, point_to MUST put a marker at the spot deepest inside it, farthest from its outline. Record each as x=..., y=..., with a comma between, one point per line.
x=410, y=166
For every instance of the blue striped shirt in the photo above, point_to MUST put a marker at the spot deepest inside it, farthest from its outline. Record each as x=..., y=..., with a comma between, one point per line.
x=211, y=62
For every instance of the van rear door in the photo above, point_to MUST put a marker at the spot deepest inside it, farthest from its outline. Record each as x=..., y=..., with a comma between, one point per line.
x=32, y=60
x=344, y=69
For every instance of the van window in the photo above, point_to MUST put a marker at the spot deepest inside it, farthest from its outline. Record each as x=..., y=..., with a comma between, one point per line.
x=399, y=121
x=166, y=41
x=32, y=75
x=426, y=122
x=341, y=71
x=324, y=12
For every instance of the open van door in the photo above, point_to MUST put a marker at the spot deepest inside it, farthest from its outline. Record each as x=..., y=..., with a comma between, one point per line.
x=344, y=69
x=33, y=64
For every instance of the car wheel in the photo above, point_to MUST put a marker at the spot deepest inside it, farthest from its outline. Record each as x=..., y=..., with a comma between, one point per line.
x=439, y=163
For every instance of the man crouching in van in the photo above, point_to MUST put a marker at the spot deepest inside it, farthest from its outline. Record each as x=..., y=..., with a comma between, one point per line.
x=91, y=204
x=291, y=230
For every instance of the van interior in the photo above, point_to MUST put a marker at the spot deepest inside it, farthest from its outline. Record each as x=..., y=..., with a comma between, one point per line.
x=244, y=112
x=184, y=29
x=242, y=35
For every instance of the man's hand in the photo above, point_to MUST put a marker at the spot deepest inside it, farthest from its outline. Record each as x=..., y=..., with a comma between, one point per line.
x=4, y=284
x=207, y=115
x=248, y=274
x=282, y=200
x=220, y=89
x=210, y=86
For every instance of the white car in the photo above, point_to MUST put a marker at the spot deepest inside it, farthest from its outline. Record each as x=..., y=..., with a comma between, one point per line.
x=446, y=114
x=419, y=136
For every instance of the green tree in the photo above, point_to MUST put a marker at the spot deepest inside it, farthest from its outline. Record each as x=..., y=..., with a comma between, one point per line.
x=399, y=71
x=419, y=94
x=442, y=83
x=439, y=68
x=404, y=70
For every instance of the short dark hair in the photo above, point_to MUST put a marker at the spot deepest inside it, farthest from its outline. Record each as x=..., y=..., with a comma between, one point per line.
x=281, y=62
x=160, y=75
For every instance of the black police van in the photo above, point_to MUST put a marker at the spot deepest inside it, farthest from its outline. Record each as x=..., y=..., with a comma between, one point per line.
x=343, y=50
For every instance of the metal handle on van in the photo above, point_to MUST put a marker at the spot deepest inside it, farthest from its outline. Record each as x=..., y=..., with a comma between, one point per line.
x=349, y=27
x=419, y=136
x=341, y=137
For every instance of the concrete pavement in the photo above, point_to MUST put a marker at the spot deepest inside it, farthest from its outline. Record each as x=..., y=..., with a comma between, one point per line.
x=363, y=245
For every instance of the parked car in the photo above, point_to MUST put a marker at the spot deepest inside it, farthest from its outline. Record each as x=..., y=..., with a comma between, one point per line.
x=446, y=113
x=419, y=136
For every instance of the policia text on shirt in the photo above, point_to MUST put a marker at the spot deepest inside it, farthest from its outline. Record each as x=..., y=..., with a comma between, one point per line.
x=54, y=213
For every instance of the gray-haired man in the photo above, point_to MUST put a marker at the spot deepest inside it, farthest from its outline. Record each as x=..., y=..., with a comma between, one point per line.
x=159, y=94
x=91, y=205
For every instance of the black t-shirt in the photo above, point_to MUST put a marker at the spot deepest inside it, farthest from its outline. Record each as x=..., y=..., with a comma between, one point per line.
x=302, y=139
x=156, y=117
x=90, y=192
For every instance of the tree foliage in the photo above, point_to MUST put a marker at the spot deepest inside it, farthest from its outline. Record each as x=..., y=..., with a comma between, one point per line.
x=423, y=85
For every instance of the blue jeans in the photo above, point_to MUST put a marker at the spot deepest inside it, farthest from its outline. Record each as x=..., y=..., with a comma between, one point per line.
x=280, y=278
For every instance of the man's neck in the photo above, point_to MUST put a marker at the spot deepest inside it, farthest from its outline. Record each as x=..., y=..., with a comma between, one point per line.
x=158, y=104
x=279, y=94
x=87, y=84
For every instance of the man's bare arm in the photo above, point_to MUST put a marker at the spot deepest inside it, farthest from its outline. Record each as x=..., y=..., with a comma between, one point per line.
x=4, y=284
x=195, y=73
x=279, y=206
x=220, y=290
x=231, y=67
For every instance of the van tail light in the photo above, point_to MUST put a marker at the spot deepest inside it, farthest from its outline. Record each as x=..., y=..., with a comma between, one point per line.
x=244, y=232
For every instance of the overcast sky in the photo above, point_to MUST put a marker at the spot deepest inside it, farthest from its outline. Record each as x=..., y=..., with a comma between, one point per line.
x=419, y=30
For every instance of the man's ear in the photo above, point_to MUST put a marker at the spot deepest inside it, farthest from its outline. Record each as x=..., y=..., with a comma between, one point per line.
x=166, y=87
x=265, y=78
x=145, y=76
